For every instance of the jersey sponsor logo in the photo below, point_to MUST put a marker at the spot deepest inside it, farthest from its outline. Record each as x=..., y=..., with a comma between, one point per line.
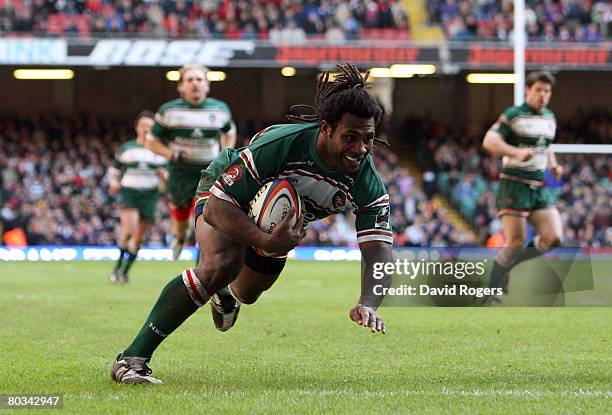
x=301, y=163
x=532, y=125
x=382, y=219
x=197, y=133
x=339, y=199
x=205, y=118
x=232, y=175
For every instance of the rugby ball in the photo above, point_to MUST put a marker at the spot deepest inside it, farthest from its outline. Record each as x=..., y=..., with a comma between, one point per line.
x=270, y=207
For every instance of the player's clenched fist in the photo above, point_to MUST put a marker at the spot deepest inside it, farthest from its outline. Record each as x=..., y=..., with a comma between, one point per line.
x=367, y=317
x=524, y=154
x=285, y=237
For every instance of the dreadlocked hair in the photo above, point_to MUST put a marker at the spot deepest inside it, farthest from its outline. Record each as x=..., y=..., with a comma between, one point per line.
x=345, y=94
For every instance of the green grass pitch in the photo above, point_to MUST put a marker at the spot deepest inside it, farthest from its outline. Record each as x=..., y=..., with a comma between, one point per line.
x=295, y=351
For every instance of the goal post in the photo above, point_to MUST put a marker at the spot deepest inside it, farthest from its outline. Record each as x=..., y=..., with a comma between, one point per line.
x=581, y=148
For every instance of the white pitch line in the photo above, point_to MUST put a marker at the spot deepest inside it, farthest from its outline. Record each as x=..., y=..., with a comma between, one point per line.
x=468, y=393
x=491, y=393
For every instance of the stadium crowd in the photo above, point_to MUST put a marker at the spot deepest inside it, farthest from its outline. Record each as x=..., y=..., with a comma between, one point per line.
x=284, y=21
x=545, y=20
x=54, y=190
x=459, y=168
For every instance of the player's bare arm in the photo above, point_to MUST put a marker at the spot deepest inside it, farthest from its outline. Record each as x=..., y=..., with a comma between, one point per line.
x=554, y=166
x=236, y=226
x=364, y=313
x=496, y=145
x=114, y=185
x=155, y=145
x=163, y=175
x=228, y=139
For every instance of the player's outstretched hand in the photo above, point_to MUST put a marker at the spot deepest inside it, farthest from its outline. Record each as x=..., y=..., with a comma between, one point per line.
x=524, y=154
x=367, y=317
x=285, y=237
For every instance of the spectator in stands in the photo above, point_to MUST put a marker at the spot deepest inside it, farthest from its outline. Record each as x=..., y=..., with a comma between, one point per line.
x=247, y=19
x=546, y=20
x=334, y=33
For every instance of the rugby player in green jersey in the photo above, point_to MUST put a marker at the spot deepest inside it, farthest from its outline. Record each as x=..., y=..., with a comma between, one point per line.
x=196, y=128
x=137, y=174
x=328, y=161
x=522, y=136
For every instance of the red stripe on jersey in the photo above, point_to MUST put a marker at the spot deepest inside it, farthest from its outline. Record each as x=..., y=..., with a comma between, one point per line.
x=334, y=183
x=256, y=136
x=249, y=166
x=203, y=195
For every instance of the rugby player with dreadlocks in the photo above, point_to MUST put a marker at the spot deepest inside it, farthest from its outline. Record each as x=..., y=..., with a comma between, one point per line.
x=327, y=158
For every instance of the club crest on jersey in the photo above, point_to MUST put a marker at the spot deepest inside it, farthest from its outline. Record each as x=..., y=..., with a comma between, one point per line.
x=232, y=175
x=382, y=219
x=339, y=199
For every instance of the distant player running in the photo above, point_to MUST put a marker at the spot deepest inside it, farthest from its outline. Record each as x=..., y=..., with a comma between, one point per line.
x=196, y=129
x=522, y=136
x=330, y=165
x=137, y=173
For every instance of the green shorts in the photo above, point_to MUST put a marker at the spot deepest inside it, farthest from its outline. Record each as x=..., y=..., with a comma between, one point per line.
x=210, y=175
x=145, y=201
x=182, y=183
x=520, y=199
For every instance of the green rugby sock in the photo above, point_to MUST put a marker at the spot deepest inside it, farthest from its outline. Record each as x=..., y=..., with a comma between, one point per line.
x=529, y=252
x=129, y=261
x=224, y=293
x=122, y=252
x=498, y=274
x=179, y=299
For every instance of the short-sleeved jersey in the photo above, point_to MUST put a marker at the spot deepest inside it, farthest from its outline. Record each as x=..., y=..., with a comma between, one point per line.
x=194, y=127
x=137, y=166
x=523, y=126
x=289, y=151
